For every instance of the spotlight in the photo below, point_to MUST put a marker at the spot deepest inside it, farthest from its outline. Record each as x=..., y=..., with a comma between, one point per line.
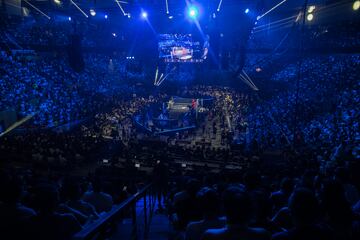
x=106, y=16
x=114, y=34
x=92, y=12
x=128, y=15
x=247, y=11
x=69, y=18
x=171, y=17
x=219, y=5
x=57, y=2
x=193, y=12
x=356, y=5
x=310, y=17
x=144, y=15
x=311, y=9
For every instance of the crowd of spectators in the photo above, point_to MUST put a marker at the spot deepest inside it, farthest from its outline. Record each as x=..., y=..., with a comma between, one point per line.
x=41, y=206
x=46, y=87
x=255, y=206
x=30, y=32
x=326, y=116
x=314, y=123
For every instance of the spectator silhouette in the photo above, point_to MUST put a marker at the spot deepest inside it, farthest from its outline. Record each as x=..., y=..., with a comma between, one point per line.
x=209, y=203
x=262, y=213
x=14, y=215
x=338, y=212
x=351, y=193
x=239, y=211
x=49, y=224
x=280, y=198
x=160, y=175
x=185, y=204
x=304, y=210
x=101, y=201
x=73, y=193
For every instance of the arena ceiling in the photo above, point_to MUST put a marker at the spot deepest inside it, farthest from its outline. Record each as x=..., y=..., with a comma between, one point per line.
x=162, y=5
x=168, y=7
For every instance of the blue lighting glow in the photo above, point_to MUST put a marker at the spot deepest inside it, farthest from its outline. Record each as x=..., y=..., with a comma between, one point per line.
x=144, y=15
x=69, y=18
x=92, y=12
x=193, y=12
x=247, y=10
x=106, y=16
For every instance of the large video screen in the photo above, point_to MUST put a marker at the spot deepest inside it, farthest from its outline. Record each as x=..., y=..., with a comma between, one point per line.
x=180, y=48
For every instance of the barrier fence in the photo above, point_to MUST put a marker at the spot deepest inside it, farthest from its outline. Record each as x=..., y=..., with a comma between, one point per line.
x=101, y=229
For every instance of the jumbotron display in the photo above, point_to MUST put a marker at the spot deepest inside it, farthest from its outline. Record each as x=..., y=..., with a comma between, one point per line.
x=180, y=48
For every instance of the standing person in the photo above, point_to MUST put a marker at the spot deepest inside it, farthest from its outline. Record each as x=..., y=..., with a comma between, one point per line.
x=160, y=176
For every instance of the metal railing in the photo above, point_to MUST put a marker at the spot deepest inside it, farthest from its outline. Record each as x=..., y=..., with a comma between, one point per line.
x=100, y=228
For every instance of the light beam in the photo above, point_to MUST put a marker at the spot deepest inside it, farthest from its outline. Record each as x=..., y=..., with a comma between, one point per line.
x=79, y=8
x=167, y=7
x=219, y=6
x=121, y=8
x=271, y=9
x=41, y=12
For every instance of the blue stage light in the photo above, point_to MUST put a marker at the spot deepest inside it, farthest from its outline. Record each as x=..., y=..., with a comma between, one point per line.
x=92, y=12
x=69, y=18
x=106, y=16
x=193, y=12
x=310, y=17
x=247, y=11
x=144, y=15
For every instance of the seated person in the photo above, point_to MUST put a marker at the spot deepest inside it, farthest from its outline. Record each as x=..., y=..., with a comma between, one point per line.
x=73, y=193
x=49, y=224
x=303, y=208
x=209, y=204
x=185, y=205
x=101, y=201
x=280, y=198
x=238, y=210
x=14, y=215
